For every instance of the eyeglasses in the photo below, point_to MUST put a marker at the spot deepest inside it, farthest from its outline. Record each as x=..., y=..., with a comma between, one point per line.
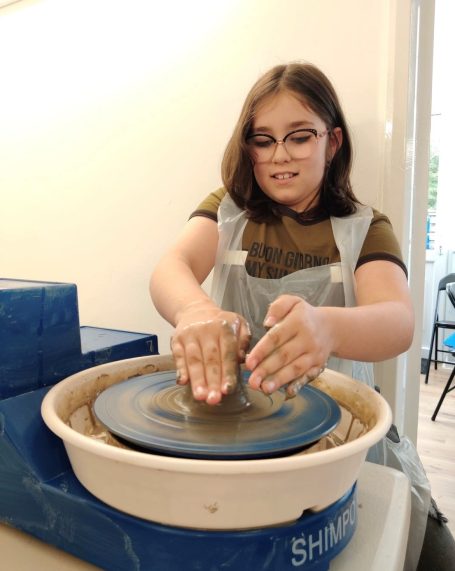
x=299, y=144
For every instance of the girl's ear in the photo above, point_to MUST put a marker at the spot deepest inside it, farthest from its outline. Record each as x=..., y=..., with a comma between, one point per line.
x=335, y=141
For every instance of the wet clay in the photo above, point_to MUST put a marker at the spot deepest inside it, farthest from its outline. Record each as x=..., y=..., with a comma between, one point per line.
x=350, y=427
x=154, y=413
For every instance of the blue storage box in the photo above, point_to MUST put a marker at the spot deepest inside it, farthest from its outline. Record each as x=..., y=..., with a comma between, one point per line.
x=41, y=340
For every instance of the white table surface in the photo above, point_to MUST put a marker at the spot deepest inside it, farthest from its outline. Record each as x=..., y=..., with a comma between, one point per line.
x=384, y=513
x=379, y=543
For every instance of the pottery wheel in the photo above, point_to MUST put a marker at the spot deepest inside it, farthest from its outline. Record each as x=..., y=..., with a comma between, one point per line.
x=153, y=413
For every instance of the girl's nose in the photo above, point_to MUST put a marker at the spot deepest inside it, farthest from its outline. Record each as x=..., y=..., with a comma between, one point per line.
x=280, y=153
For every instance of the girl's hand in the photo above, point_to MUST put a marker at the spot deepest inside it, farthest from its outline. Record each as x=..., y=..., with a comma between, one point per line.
x=208, y=346
x=294, y=350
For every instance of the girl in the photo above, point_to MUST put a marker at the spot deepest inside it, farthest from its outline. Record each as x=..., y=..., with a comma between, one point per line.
x=305, y=274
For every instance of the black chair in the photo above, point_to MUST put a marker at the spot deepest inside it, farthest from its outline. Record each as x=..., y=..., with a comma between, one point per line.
x=446, y=390
x=450, y=290
x=440, y=324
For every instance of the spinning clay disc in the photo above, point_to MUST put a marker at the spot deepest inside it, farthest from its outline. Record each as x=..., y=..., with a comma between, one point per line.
x=155, y=414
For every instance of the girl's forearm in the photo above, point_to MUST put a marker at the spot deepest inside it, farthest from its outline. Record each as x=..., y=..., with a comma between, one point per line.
x=174, y=287
x=372, y=332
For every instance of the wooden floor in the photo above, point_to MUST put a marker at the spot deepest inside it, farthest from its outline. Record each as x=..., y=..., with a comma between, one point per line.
x=436, y=441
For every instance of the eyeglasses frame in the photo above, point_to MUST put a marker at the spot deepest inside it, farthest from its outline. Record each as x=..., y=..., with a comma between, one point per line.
x=317, y=135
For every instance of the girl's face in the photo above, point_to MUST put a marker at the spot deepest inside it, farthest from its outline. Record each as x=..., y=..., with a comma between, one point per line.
x=282, y=175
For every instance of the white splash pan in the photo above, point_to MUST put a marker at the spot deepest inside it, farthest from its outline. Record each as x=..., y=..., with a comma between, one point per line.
x=212, y=494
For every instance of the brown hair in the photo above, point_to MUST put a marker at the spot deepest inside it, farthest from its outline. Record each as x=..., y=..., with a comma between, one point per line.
x=315, y=91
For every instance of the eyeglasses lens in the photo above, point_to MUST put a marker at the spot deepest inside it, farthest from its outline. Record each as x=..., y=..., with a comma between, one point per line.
x=299, y=145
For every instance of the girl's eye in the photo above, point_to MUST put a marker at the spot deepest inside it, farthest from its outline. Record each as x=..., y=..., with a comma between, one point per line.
x=262, y=142
x=300, y=139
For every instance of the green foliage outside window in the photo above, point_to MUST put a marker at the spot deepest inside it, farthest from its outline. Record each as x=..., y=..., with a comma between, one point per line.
x=433, y=179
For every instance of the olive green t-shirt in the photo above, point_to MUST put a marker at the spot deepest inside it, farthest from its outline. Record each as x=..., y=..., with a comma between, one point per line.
x=295, y=243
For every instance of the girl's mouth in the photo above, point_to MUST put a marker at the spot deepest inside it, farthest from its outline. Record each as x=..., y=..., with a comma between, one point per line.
x=284, y=175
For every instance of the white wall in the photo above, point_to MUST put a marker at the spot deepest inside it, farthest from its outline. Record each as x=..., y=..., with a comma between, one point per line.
x=114, y=116
x=444, y=91
x=441, y=260
x=406, y=183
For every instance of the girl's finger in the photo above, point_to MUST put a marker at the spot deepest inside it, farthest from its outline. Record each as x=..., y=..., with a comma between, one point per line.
x=178, y=352
x=279, y=308
x=212, y=365
x=229, y=357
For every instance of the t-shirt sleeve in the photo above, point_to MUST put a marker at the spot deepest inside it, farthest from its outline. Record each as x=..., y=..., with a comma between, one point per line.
x=209, y=206
x=381, y=243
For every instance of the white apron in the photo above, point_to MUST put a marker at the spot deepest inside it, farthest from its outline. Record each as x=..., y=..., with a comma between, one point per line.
x=332, y=285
